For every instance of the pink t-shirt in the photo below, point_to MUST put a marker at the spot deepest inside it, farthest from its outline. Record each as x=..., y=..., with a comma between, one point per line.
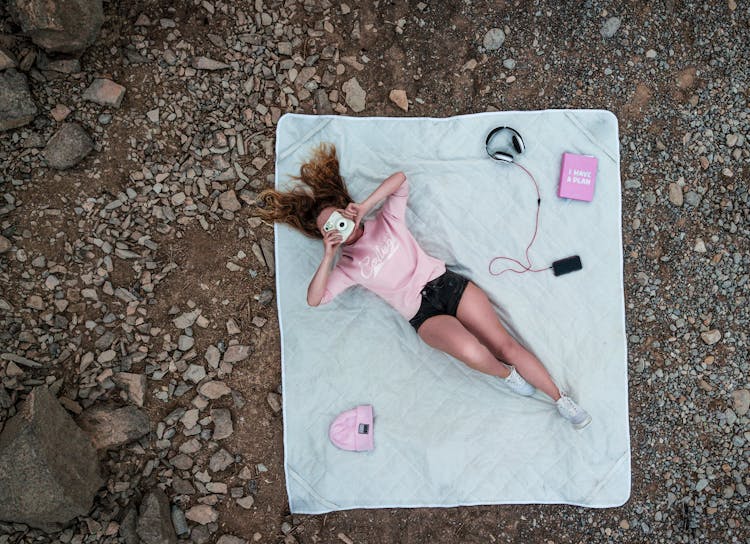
x=386, y=260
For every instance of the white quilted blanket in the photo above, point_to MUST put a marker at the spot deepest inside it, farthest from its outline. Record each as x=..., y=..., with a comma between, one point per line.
x=446, y=435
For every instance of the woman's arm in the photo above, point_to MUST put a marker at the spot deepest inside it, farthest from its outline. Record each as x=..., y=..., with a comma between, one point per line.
x=317, y=287
x=389, y=186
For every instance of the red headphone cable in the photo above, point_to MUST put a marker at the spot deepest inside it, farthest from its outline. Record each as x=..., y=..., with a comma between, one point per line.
x=525, y=267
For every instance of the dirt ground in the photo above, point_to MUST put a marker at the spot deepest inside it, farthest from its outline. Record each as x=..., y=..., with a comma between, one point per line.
x=560, y=58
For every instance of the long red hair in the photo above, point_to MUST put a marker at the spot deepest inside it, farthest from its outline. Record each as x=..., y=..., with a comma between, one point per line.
x=322, y=187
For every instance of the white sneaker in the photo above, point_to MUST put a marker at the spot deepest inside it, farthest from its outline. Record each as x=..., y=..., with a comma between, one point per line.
x=568, y=409
x=517, y=384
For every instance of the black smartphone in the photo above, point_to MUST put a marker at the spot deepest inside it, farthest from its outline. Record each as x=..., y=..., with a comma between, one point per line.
x=568, y=264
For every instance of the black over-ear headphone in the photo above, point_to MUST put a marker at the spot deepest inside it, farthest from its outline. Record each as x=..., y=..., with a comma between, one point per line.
x=500, y=154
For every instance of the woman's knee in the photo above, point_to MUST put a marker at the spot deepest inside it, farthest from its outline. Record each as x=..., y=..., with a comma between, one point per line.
x=505, y=345
x=472, y=350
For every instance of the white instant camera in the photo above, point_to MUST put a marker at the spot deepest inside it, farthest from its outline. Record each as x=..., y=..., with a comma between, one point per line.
x=340, y=223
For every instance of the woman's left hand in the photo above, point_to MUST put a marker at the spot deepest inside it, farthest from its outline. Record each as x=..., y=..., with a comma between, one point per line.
x=354, y=212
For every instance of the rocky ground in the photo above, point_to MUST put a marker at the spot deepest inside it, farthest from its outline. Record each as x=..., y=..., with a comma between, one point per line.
x=135, y=274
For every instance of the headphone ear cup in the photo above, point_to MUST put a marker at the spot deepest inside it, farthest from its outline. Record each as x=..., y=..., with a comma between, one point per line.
x=505, y=157
x=518, y=143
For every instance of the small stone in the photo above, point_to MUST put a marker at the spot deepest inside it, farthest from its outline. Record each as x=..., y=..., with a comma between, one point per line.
x=178, y=521
x=178, y=199
x=692, y=198
x=214, y=390
x=701, y=485
x=355, y=95
x=7, y=60
x=237, y=353
x=212, y=356
x=222, y=419
x=217, y=487
x=51, y=282
x=186, y=320
x=610, y=27
x=246, y=502
x=675, y=194
x=232, y=328
x=190, y=446
x=60, y=112
x=5, y=244
x=651, y=54
x=398, y=97
x=228, y=201
x=204, y=63
x=231, y=539
x=185, y=342
x=181, y=461
x=493, y=39
x=220, y=460
x=700, y=245
x=105, y=92
x=190, y=418
x=259, y=321
x=106, y=356
x=12, y=370
x=711, y=337
x=322, y=104
x=194, y=373
x=741, y=401
x=274, y=401
x=202, y=514
x=35, y=302
x=266, y=246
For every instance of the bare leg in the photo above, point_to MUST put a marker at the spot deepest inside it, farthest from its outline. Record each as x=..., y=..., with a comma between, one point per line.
x=446, y=333
x=478, y=316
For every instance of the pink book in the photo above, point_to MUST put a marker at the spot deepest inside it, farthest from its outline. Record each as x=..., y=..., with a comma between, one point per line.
x=577, y=177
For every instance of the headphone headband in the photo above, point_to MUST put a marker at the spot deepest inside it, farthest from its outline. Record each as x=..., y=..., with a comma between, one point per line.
x=498, y=129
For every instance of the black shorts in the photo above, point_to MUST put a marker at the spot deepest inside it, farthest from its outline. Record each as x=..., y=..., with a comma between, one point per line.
x=440, y=297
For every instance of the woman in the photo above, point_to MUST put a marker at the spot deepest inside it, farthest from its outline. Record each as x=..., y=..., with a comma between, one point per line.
x=449, y=312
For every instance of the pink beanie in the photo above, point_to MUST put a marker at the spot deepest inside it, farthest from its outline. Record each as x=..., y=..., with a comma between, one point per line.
x=352, y=430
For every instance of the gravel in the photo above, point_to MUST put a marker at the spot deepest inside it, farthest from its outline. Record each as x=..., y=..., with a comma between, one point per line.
x=140, y=276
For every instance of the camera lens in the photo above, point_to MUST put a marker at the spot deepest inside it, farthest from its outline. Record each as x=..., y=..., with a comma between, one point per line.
x=341, y=224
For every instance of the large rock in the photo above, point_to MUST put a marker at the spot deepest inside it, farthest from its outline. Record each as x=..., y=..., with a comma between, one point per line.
x=65, y=27
x=68, y=146
x=17, y=108
x=49, y=471
x=111, y=427
x=155, y=519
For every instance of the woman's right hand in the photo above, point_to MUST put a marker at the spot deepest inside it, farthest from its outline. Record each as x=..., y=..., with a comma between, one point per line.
x=331, y=241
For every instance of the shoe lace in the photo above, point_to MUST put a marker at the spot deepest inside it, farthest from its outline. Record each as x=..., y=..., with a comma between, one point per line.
x=567, y=404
